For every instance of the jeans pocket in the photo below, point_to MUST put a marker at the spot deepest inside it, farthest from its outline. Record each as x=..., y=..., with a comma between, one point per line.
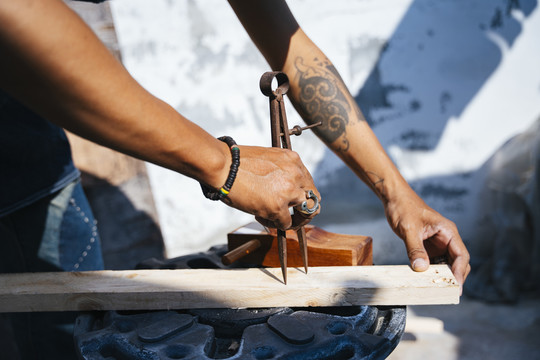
x=79, y=242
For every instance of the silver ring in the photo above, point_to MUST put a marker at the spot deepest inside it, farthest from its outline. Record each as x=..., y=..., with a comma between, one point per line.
x=304, y=207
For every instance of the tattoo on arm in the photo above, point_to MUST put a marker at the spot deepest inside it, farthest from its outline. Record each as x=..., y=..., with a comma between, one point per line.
x=376, y=183
x=323, y=97
x=375, y=179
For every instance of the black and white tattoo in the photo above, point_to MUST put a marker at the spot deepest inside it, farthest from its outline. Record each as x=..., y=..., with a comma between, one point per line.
x=324, y=98
x=375, y=179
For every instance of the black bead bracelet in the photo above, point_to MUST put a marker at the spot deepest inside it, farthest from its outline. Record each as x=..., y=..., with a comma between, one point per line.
x=214, y=194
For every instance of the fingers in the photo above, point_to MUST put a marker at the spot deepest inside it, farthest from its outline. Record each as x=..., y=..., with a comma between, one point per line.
x=418, y=256
x=269, y=182
x=447, y=242
x=284, y=220
x=459, y=258
x=300, y=175
x=265, y=222
x=300, y=218
x=455, y=253
x=297, y=196
x=461, y=269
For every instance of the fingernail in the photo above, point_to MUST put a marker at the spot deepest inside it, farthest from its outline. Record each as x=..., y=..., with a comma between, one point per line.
x=419, y=264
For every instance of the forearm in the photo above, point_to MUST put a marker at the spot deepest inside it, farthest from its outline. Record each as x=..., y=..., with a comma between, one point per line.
x=53, y=63
x=320, y=95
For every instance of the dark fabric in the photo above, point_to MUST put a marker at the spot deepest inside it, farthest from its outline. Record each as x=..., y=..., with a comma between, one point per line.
x=55, y=233
x=35, y=156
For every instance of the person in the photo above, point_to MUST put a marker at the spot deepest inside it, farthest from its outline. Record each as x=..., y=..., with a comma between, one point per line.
x=54, y=65
x=319, y=94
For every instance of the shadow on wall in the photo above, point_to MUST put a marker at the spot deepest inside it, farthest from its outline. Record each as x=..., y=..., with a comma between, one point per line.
x=439, y=57
x=128, y=233
x=506, y=232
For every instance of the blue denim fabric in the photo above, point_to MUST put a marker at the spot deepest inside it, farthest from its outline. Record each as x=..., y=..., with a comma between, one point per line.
x=56, y=233
x=71, y=240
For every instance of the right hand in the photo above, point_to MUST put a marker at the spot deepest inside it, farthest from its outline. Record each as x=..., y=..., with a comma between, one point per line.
x=268, y=183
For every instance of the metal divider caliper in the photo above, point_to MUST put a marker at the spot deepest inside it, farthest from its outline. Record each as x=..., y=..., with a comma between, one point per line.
x=281, y=138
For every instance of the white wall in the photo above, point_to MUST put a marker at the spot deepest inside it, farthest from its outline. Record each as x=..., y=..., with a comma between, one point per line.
x=443, y=83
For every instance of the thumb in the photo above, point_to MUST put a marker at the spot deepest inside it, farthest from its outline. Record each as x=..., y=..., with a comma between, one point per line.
x=417, y=255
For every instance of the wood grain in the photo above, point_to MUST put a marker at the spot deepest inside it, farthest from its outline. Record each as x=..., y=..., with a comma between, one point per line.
x=218, y=288
x=324, y=248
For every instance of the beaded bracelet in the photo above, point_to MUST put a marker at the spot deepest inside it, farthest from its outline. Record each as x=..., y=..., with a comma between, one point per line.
x=213, y=194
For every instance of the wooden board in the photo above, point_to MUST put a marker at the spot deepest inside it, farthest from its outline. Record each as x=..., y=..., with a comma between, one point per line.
x=218, y=288
x=324, y=248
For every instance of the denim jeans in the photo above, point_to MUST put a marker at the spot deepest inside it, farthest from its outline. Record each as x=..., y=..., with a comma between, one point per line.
x=56, y=233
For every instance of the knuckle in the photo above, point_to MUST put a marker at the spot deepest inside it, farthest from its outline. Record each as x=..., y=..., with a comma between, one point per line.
x=275, y=210
x=288, y=188
x=451, y=225
x=283, y=222
x=416, y=251
x=293, y=155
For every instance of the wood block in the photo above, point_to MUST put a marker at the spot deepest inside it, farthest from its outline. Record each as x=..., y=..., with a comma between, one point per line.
x=324, y=248
x=226, y=288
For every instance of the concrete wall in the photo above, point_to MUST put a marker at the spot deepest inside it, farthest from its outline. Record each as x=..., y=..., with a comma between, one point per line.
x=443, y=83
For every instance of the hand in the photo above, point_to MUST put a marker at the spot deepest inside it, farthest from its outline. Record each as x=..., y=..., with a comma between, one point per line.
x=427, y=234
x=268, y=183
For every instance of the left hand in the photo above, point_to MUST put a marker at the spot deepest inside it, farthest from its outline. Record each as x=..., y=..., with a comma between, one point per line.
x=427, y=234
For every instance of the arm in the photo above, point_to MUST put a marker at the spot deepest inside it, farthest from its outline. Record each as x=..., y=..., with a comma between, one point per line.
x=52, y=62
x=319, y=94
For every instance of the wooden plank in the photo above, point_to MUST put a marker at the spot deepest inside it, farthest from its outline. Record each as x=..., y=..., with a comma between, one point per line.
x=217, y=288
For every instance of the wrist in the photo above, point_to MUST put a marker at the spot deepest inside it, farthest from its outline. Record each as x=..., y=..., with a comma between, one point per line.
x=390, y=188
x=220, y=192
x=217, y=167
